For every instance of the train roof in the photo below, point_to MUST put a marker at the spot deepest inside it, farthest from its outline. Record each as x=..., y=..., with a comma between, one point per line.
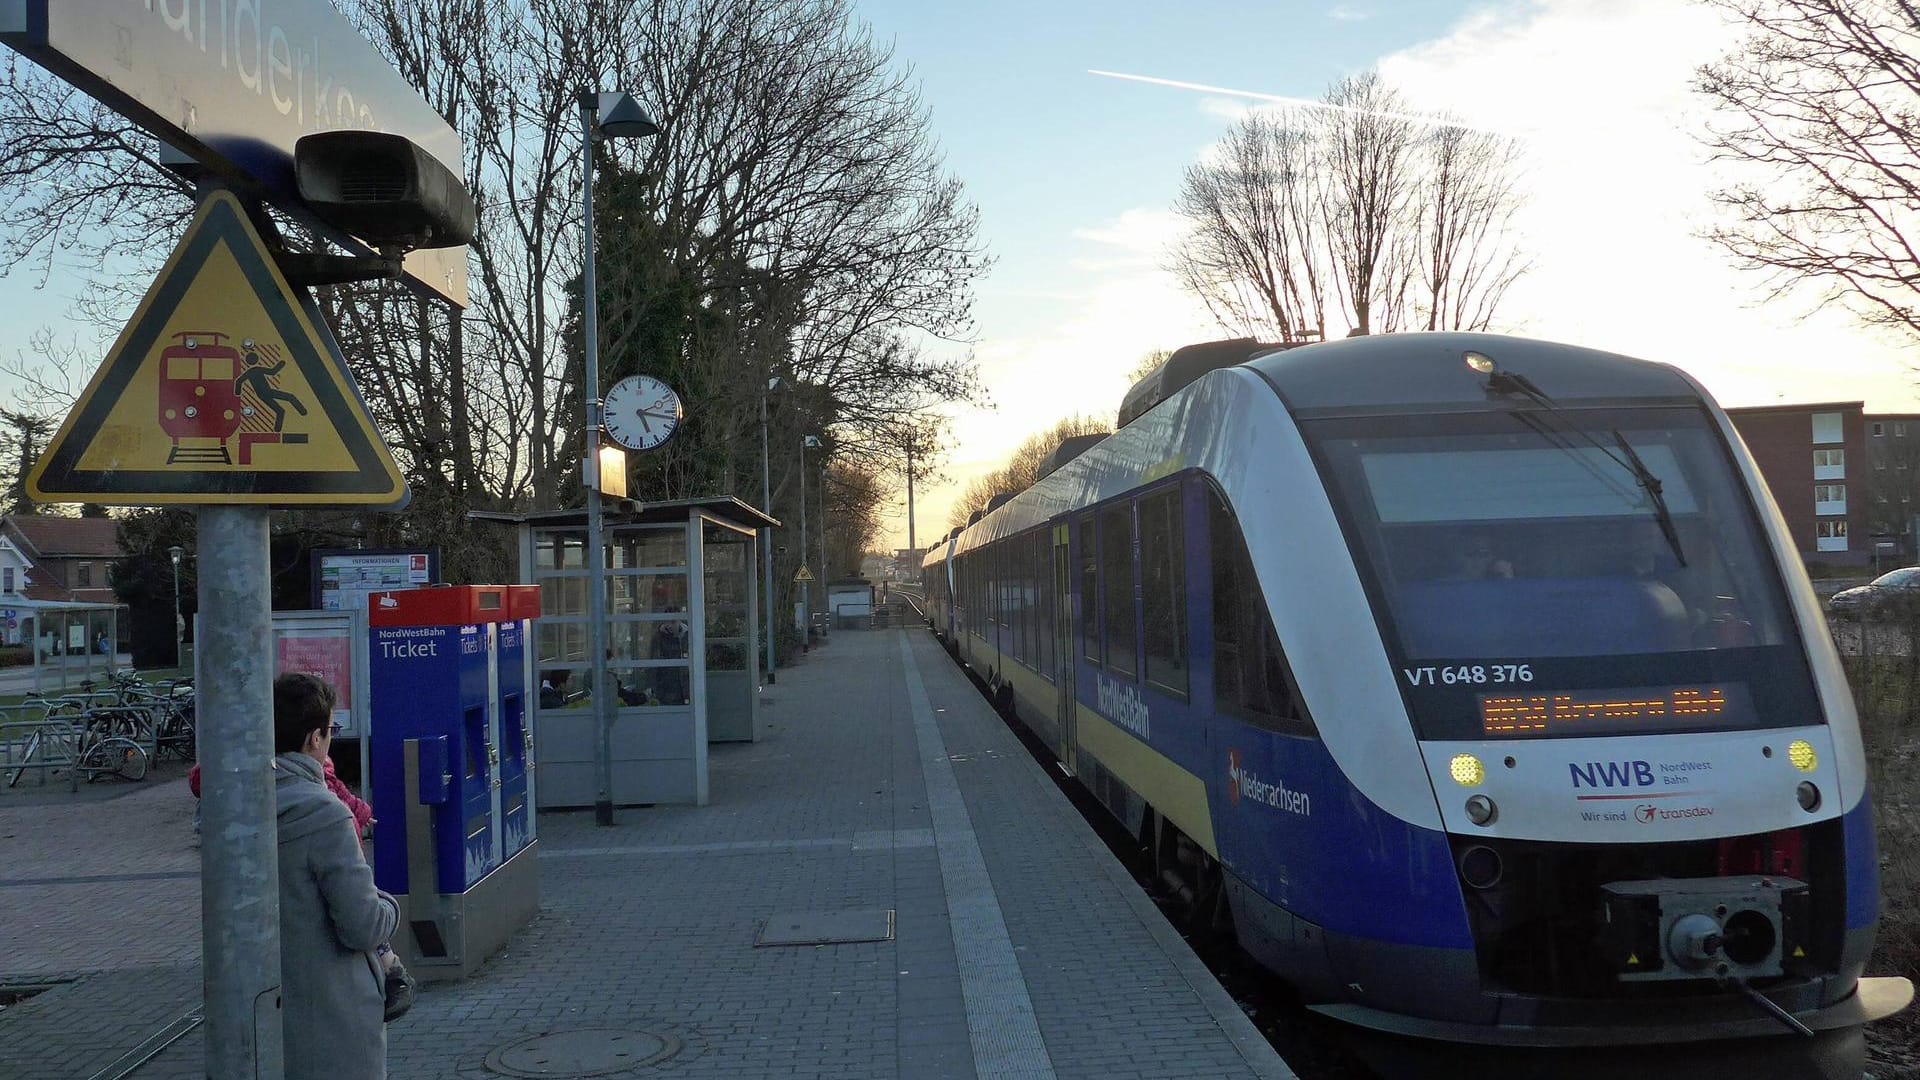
x=1184, y=365
x=1395, y=371
x=1070, y=447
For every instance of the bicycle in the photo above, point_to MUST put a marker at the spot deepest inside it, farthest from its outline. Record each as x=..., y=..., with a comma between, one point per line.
x=104, y=750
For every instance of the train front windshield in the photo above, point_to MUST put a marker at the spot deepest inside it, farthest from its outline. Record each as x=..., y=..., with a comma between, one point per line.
x=1537, y=578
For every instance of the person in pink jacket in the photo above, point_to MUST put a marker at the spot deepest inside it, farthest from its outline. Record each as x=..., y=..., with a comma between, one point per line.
x=362, y=813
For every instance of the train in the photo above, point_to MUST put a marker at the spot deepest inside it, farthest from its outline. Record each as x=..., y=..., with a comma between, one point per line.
x=1472, y=683
x=198, y=397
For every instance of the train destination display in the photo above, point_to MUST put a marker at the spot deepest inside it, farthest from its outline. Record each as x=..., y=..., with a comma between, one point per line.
x=1634, y=710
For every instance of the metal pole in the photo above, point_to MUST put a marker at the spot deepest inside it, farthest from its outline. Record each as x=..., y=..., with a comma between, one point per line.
x=766, y=535
x=823, y=533
x=596, y=545
x=806, y=587
x=910, y=544
x=239, y=857
x=179, y=624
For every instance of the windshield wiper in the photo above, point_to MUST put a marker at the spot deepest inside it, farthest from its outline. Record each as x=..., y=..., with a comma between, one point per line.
x=1651, y=484
x=1512, y=382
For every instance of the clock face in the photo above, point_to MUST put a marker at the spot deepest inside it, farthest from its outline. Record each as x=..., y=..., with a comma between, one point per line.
x=641, y=412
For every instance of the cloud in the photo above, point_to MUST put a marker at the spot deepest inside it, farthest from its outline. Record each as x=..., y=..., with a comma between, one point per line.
x=1348, y=13
x=1617, y=188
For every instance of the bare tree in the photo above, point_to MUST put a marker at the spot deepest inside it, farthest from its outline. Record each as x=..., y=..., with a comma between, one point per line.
x=1355, y=207
x=1022, y=470
x=1465, y=244
x=1149, y=364
x=1256, y=254
x=1367, y=147
x=1817, y=105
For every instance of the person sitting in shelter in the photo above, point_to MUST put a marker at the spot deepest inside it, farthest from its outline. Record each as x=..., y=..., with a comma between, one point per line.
x=553, y=688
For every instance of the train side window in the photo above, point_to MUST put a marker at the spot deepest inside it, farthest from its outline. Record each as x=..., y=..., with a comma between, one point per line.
x=1251, y=678
x=1043, y=596
x=1090, y=589
x=1163, y=587
x=1116, y=588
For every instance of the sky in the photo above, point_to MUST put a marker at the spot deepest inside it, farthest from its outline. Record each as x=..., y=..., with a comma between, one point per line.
x=1076, y=174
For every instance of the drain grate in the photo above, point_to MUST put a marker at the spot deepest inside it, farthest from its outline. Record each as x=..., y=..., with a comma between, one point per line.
x=582, y=1052
x=827, y=927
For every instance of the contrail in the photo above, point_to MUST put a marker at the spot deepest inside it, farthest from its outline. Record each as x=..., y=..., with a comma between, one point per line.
x=1304, y=103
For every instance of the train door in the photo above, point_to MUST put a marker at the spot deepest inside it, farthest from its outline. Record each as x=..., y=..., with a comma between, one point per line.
x=1064, y=650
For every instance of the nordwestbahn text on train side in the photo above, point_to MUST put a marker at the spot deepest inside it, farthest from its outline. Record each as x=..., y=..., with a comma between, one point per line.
x=1476, y=681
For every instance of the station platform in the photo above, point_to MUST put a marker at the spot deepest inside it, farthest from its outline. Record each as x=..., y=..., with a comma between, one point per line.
x=885, y=800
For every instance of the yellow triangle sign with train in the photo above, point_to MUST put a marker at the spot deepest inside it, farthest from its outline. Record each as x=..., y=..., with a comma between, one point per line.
x=224, y=388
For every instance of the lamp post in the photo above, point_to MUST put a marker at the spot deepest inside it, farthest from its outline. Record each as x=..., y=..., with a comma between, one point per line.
x=766, y=542
x=179, y=620
x=807, y=442
x=606, y=116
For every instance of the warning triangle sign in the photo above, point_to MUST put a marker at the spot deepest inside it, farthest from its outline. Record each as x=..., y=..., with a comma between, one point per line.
x=804, y=575
x=225, y=388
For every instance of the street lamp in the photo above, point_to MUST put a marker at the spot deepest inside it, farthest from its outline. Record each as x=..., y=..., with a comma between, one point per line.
x=179, y=620
x=766, y=535
x=807, y=442
x=605, y=116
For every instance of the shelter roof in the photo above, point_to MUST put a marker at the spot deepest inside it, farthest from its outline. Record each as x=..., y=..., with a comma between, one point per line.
x=634, y=512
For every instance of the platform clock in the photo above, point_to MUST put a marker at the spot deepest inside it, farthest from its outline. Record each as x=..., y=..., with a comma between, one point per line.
x=641, y=412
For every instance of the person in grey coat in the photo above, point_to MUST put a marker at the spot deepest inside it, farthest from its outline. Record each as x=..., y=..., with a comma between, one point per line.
x=332, y=918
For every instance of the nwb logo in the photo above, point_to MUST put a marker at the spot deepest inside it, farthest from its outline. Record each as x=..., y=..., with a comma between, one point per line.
x=1612, y=774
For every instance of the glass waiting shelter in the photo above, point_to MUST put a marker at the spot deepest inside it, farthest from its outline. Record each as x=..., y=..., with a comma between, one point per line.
x=70, y=643
x=681, y=644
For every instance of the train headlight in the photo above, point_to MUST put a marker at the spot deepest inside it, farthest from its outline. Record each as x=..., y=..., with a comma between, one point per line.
x=1800, y=752
x=1467, y=770
x=1481, y=811
x=1809, y=796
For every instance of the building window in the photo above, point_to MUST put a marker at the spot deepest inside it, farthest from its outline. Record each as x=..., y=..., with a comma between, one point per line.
x=1879, y=466
x=1879, y=430
x=1830, y=535
x=6, y=579
x=1899, y=431
x=83, y=575
x=1826, y=427
x=1829, y=498
x=1116, y=589
x=1163, y=587
x=1829, y=464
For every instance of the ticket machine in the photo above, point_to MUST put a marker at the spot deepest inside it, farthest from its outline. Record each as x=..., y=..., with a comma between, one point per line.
x=452, y=770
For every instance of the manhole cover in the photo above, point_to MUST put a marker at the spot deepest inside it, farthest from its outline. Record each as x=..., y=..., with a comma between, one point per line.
x=584, y=1052
x=827, y=927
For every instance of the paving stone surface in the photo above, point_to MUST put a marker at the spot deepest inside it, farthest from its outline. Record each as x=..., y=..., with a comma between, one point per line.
x=651, y=924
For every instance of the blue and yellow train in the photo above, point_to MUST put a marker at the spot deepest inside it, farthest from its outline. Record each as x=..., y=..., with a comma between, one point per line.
x=1474, y=681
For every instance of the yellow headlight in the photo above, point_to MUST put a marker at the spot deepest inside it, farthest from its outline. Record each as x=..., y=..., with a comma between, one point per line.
x=1467, y=770
x=1800, y=752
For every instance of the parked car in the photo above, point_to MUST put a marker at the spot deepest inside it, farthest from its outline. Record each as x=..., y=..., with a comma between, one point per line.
x=1894, y=586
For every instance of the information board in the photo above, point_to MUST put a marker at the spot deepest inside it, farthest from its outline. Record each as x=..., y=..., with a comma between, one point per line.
x=343, y=578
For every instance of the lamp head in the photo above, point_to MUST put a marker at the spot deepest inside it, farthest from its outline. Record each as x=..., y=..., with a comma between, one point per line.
x=175, y=552
x=621, y=117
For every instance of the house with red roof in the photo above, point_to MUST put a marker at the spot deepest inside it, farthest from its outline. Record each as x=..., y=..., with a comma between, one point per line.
x=55, y=560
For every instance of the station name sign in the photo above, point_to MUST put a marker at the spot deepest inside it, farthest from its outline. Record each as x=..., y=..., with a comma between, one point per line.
x=235, y=83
